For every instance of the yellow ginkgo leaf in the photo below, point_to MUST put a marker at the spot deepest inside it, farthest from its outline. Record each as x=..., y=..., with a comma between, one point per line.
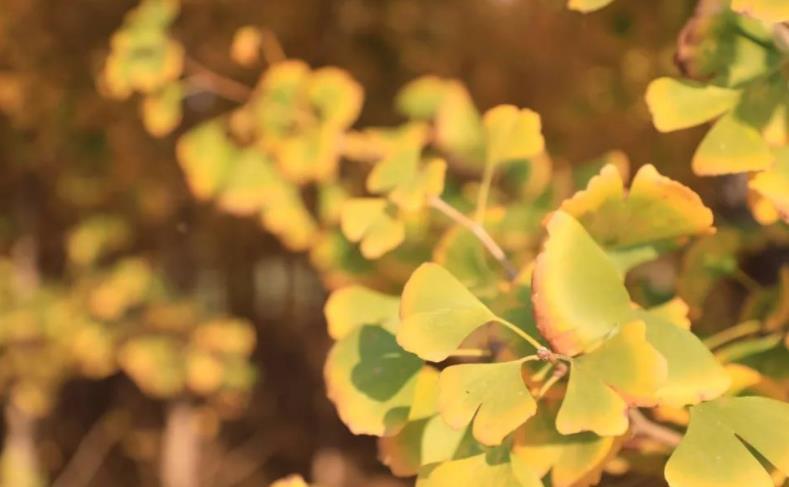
x=678, y=104
x=366, y=220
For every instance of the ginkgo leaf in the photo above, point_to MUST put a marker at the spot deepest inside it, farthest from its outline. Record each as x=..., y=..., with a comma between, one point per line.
x=705, y=262
x=714, y=452
x=655, y=209
x=459, y=128
x=674, y=311
x=512, y=134
x=461, y=253
x=421, y=98
x=731, y=146
x=493, y=394
x=365, y=220
x=578, y=293
x=587, y=5
x=773, y=11
x=354, y=306
x=773, y=184
x=678, y=104
x=336, y=96
x=572, y=460
x=625, y=370
x=694, y=375
x=486, y=469
x=402, y=151
x=437, y=313
x=371, y=380
x=205, y=154
x=161, y=110
x=245, y=48
x=419, y=443
x=428, y=182
x=310, y=155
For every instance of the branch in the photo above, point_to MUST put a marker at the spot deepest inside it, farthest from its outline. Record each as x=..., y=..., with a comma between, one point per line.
x=732, y=333
x=216, y=83
x=90, y=454
x=646, y=427
x=478, y=231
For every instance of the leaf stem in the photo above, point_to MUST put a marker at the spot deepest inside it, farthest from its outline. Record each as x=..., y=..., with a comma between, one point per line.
x=530, y=339
x=747, y=281
x=732, y=333
x=484, y=192
x=645, y=426
x=470, y=353
x=216, y=83
x=479, y=231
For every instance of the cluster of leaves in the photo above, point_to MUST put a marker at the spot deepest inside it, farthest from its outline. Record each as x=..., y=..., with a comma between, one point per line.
x=735, y=68
x=113, y=313
x=518, y=355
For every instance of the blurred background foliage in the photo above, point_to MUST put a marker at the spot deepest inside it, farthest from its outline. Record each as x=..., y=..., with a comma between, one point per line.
x=95, y=211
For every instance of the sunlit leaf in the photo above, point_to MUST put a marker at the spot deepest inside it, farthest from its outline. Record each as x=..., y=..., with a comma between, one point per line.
x=484, y=469
x=154, y=364
x=677, y=104
x=421, y=98
x=694, y=375
x=512, y=134
x=625, y=370
x=336, y=96
x=437, y=313
x=714, y=451
x=461, y=253
x=205, y=154
x=773, y=184
x=731, y=146
x=493, y=394
x=161, y=110
x=245, y=49
x=587, y=5
x=655, y=209
x=354, y=306
x=366, y=220
x=459, y=128
x=573, y=460
x=371, y=380
x=95, y=237
x=578, y=295
x=774, y=11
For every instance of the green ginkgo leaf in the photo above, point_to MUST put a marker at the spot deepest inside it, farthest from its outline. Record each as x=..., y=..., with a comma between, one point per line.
x=694, y=375
x=773, y=184
x=512, y=134
x=366, y=220
x=625, y=370
x=717, y=447
x=437, y=313
x=579, y=296
x=371, y=380
x=587, y=5
x=461, y=253
x=678, y=104
x=493, y=394
x=354, y=306
x=402, y=149
x=731, y=146
x=773, y=11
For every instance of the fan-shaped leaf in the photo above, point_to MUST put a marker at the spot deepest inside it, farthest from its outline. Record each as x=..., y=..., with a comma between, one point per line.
x=438, y=313
x=731, y=146
x=493, y=394
x=365, y=220
x=714, y=452
x=353, y=306
x=678, y=104
x=578, y=293
x=774, y=11
x=625, y=370
x=512, y=134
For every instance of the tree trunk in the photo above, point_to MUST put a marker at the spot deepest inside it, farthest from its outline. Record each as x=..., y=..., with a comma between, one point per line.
x=20, y=467
x=180, y=449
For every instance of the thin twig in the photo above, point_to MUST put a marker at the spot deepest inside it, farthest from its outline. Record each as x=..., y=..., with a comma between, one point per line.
x=747, y=281
x=645, y=426
x=216, y=83
x=732, y=333
x=271, y=48
x=484, y=192
x=90, y=454
x=559, y=371
x=479, y=231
